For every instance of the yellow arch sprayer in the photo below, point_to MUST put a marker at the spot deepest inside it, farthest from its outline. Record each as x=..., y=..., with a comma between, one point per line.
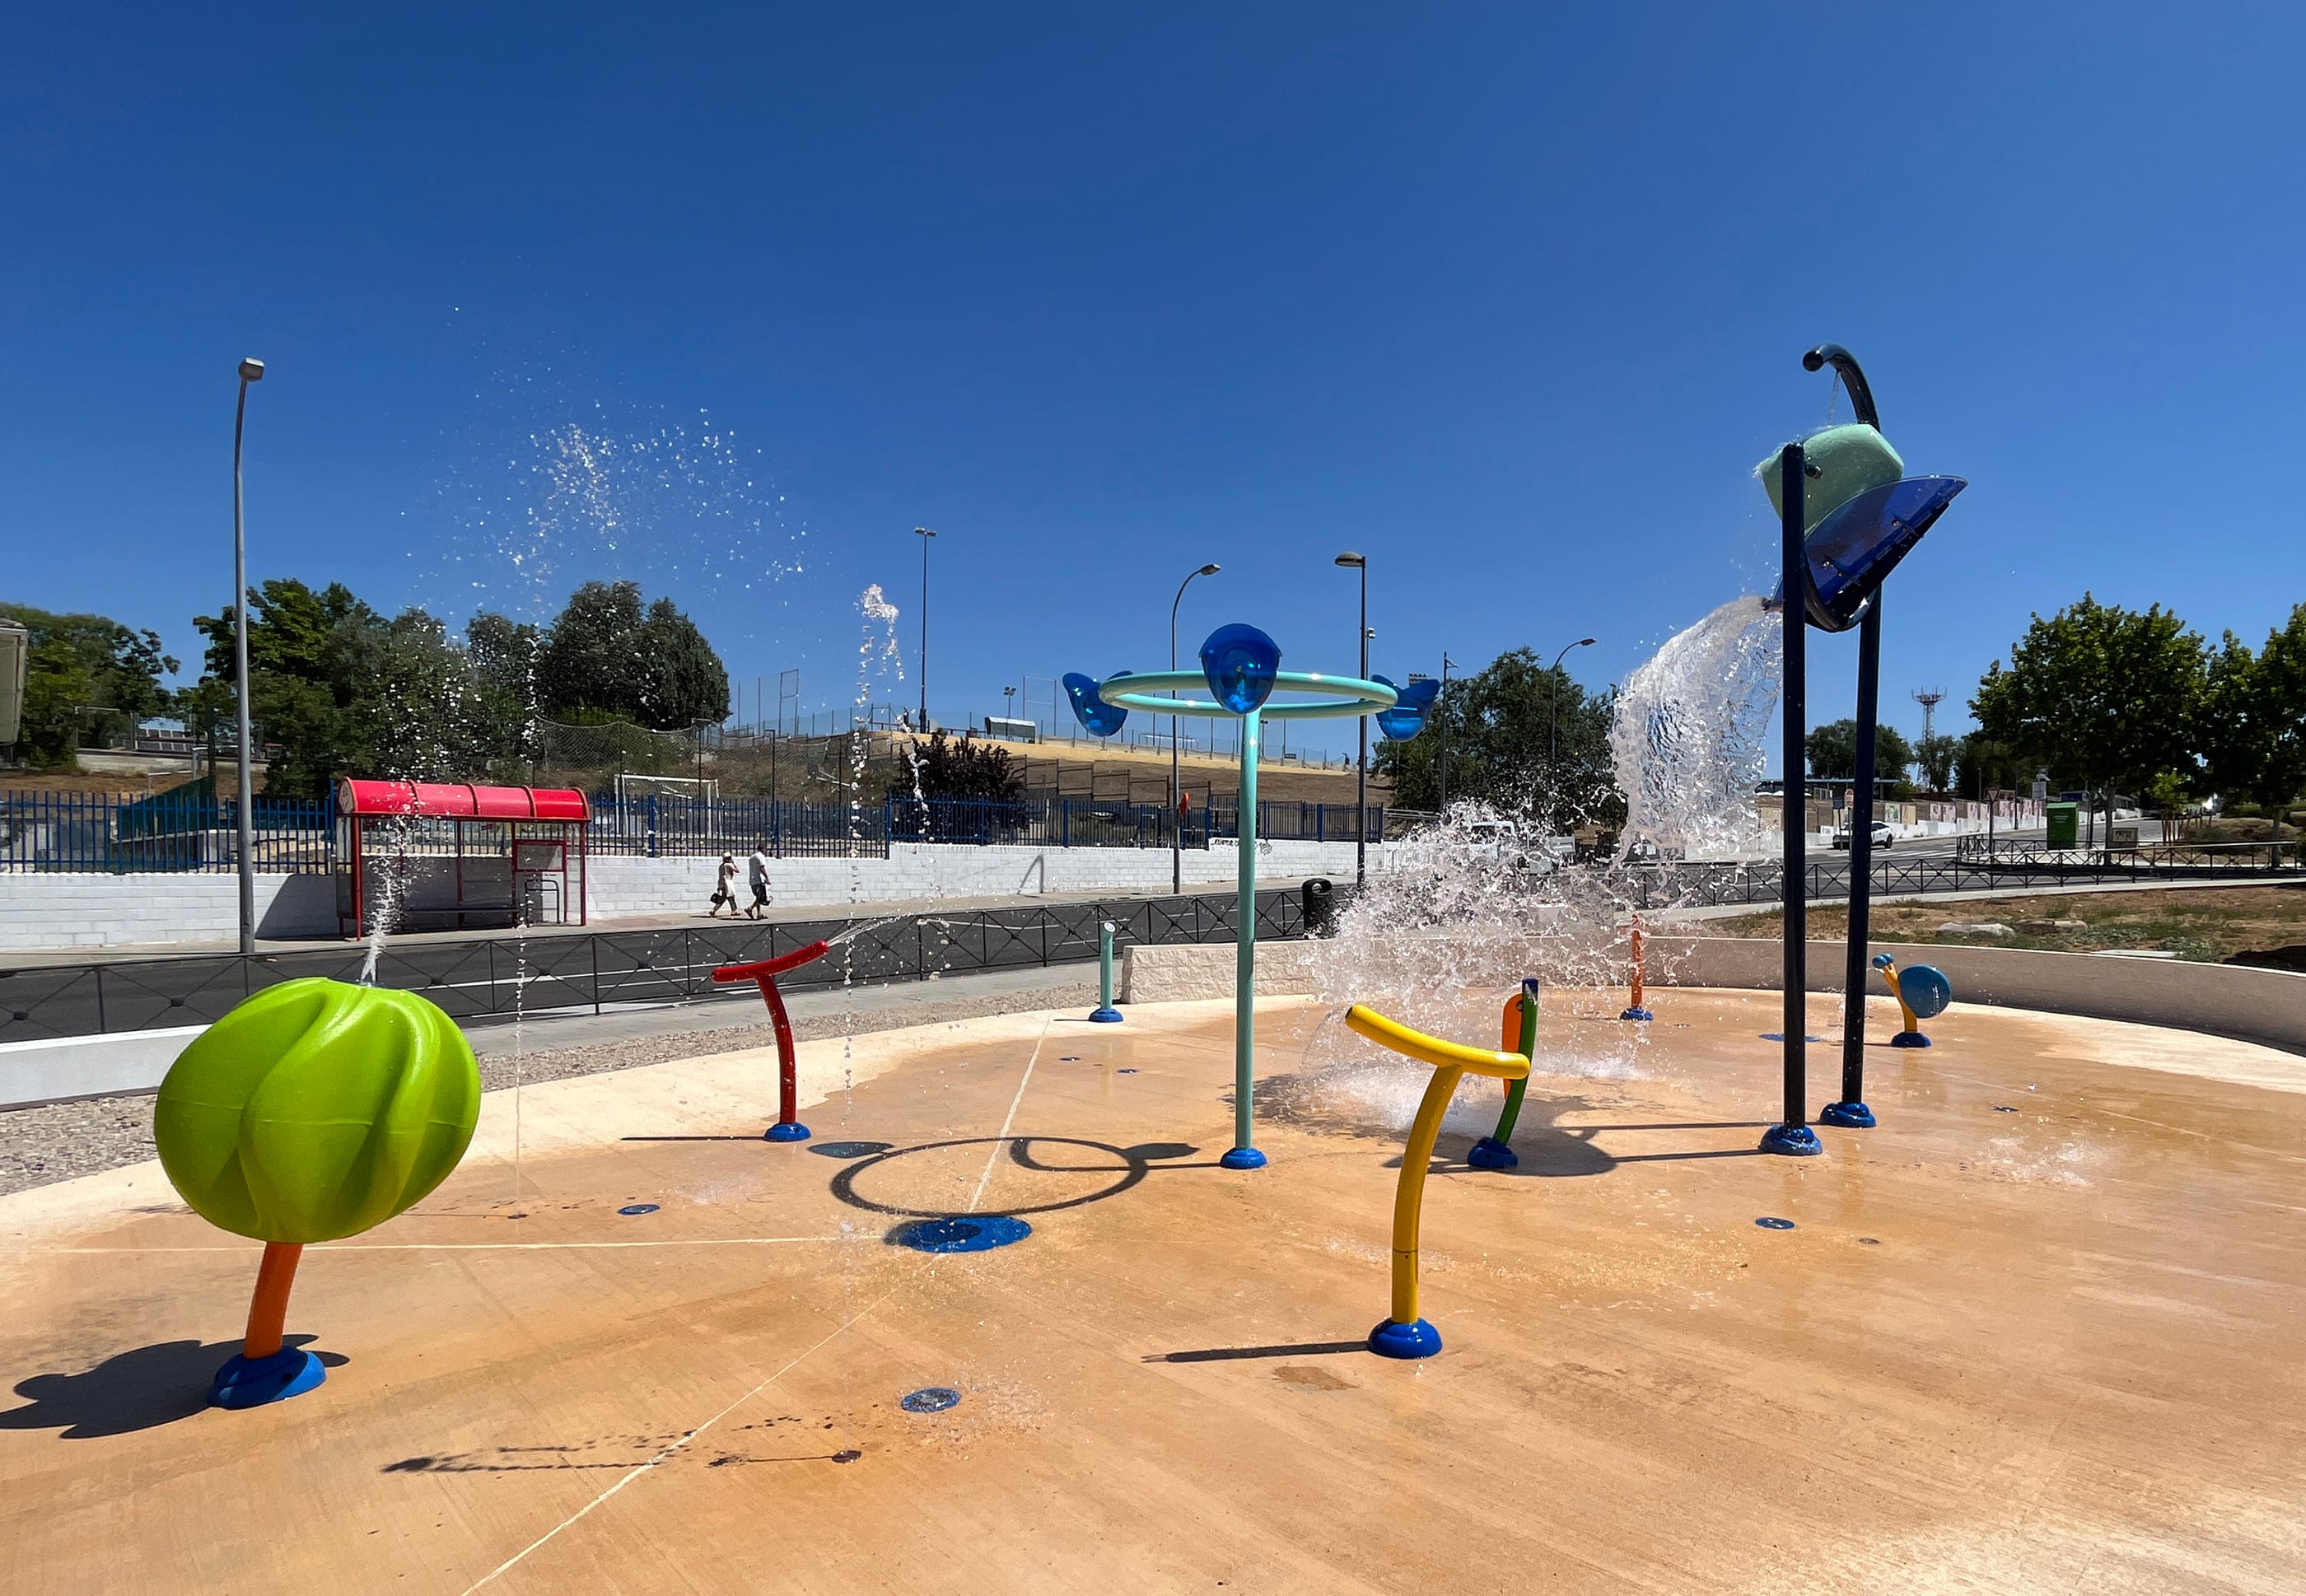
x=1404, y=1335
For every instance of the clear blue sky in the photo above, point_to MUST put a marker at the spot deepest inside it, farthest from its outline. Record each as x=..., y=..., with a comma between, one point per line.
x=1511, y=302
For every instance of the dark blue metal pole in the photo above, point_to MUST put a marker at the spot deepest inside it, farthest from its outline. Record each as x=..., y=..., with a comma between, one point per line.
x=1792, y=1135
x=1850, y=1109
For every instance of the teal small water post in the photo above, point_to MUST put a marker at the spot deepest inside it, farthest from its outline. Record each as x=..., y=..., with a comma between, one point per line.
x=1104, y=1014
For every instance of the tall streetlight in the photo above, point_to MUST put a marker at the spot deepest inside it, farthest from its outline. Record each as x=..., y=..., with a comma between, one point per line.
x=1177, y=787
x=1352, y=561
x=250, y=371
x=1440, y=704
x=1553, y=717
x=925, y=535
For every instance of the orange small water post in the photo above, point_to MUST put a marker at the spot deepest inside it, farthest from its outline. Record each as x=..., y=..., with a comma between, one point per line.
x=1634, y=1009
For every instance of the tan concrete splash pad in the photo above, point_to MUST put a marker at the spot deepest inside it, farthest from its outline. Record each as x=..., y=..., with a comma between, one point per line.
x=2053, y=1348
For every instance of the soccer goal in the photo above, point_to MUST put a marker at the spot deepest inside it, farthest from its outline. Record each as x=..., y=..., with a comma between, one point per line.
x=631, y=790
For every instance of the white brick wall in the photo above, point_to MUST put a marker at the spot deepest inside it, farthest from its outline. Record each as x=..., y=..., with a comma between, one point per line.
x=916, y=871
x=48, y=912
x=38, y=911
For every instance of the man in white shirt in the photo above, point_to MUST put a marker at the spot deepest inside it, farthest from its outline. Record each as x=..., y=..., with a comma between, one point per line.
x=756, y=872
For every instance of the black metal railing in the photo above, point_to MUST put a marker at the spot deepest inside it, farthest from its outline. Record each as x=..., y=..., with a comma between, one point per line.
x=498, y=976
x=1763, y=883
x=2171, y=860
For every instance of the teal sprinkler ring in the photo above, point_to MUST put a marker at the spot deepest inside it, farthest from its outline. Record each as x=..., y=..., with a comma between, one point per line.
x=1241, y=668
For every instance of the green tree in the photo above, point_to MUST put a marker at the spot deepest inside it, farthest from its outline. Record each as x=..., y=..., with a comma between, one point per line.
x=604, y=654
x=1937, y=755
x=1981, y=763
x=1501, y=729
x=2251, y=733
x=504, y=664
x=1832, y=750
x=2106, y=698
x=85, y=676
x=683, y=683
x=310, y=657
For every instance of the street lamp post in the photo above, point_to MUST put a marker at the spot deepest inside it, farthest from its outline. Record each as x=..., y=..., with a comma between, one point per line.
x=925, y=535
x=1354, y=561
x=1177, y=791
x=1553, y=727
x=1440, y=709
x=250, y=371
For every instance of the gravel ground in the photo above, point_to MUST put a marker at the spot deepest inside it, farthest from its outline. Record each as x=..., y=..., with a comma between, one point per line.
x=59, y=1141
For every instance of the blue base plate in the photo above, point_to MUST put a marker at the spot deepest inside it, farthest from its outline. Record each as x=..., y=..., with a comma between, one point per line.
x=1105, y=1017
x=787, y=1131
x=1489, y=1153
x=1243, y=1158
x=1794, y=1141
x=251, y=1382
x=1638, y=1014
x=1850, y=1116
x=959, y=1233
x=1394, y=1340
x=1910, y=1039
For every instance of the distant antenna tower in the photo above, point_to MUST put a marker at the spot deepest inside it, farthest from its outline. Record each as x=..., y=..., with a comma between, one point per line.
x=1929, y=698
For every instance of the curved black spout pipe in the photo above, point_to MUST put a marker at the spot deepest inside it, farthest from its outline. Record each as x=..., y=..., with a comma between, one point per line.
x=1845, y=364
x=1850, y=1109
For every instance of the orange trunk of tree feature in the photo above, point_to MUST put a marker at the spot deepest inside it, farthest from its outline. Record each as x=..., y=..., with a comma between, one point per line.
x=268, y=1310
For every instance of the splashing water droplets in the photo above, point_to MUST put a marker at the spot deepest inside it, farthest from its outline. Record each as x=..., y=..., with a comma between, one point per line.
x=1687, y=737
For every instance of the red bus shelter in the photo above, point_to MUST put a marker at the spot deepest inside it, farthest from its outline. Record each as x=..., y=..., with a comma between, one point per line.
x=444, y=856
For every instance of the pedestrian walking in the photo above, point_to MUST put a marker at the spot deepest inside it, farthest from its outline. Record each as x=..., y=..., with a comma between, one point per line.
x=724, y=886
x=756, y=873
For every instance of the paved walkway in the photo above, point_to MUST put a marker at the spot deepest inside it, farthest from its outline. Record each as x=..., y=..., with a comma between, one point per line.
x=2039, y=1331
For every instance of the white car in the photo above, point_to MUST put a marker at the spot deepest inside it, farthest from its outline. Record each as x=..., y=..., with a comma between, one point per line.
x=1883, y=835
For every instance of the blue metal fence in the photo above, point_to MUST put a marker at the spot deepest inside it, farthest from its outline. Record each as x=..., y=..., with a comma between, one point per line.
x=193, y=829
x=107, y=833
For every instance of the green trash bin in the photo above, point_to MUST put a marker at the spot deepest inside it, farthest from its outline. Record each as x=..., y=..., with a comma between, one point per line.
x=2065, y=825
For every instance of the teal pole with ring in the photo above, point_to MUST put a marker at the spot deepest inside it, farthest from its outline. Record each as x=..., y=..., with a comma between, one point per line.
x=1104, y=1014
x=1244, y=1154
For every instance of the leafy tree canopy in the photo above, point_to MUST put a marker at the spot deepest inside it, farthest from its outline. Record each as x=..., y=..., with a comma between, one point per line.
x=1519, y=733
x=2104, y=697
x=964, y=768
x=607, y=653
x=1832, y=750
x=2252, y=728
x=1981, y=765
x=341, y=690
x=86, y=674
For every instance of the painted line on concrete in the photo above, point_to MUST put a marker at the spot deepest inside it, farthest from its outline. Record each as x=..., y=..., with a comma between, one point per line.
x=667, y=1452
x=1001, y=1140
x=471, y=1246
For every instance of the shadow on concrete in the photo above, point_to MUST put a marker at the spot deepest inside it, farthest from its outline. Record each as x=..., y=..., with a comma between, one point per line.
x=1133, y=1165
x=141, y=1389
x=1227, y=1354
